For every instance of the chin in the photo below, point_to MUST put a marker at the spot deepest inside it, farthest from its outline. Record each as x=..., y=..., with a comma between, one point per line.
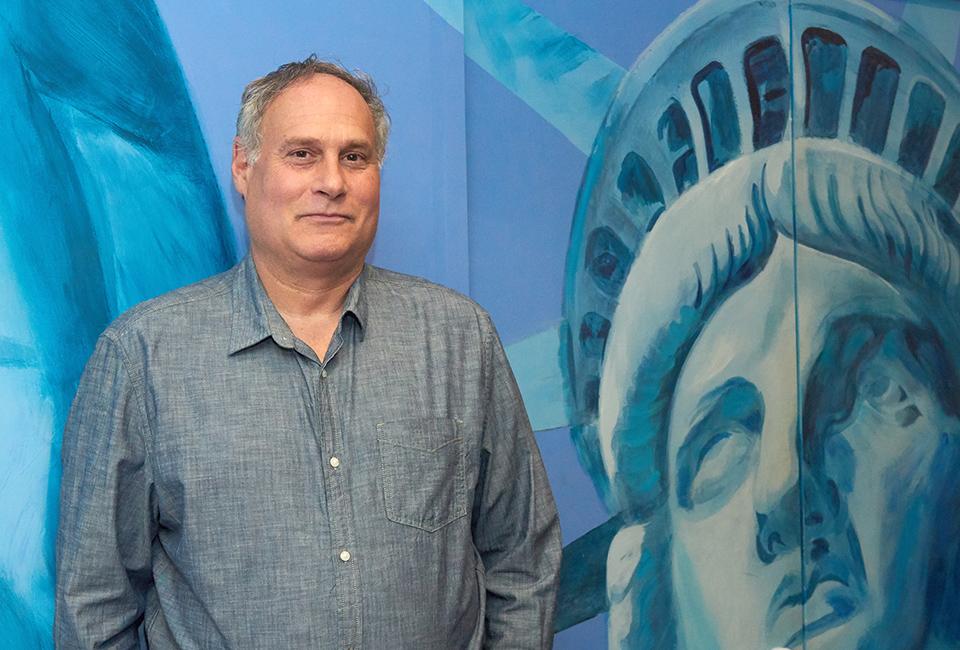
x=325, y=255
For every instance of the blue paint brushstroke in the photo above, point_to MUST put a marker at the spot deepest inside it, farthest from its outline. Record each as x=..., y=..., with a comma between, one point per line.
x=567, y=82
x=107, y=198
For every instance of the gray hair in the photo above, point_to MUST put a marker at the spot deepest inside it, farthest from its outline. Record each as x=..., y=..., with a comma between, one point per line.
x=259, y=93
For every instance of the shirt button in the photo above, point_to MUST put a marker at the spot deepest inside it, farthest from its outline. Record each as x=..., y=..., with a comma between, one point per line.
x=334, y=462
x=345, y=556
x=323, y=373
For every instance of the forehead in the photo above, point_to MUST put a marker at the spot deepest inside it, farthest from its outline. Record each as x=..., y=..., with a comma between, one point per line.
x=318, y=101
x=759, y=331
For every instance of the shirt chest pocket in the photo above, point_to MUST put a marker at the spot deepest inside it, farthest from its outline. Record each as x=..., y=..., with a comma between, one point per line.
x=422, y=471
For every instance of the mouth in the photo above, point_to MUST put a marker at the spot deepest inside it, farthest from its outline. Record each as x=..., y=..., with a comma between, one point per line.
x=830, y=605
x=323, y=217
x=828, y=600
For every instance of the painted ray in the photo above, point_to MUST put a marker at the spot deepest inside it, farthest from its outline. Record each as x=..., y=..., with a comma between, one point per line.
x=566, y=81
x=938, y=21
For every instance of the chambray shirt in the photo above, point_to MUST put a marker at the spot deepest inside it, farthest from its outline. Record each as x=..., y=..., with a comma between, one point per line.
x=225, y=488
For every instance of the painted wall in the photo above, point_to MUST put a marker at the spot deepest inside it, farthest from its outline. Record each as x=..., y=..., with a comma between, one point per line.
x=759, y=307
x=719, y=239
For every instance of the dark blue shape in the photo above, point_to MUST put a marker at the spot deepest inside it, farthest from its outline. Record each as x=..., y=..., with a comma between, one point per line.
x=594, y=330
x=920, y=130
x=608, y=260
x=948, y=178
x=673, y=129
x=591, y=393
x=639, y=189
x=877, y=83
x=718, y=112
x=825, y=65
x=768, y=85
x=583, y=585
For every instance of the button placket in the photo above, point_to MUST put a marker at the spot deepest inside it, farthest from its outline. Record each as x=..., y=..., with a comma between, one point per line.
x=339, y=512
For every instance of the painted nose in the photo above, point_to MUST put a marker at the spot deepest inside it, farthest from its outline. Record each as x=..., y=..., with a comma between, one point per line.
x=776, y=490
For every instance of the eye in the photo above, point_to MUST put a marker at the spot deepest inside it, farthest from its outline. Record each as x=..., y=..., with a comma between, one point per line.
x=300, y=154
x=720, y=448
x=720, y=465
x=889, y=398
x=354, y=157
x=713, y=472
x=883, y=392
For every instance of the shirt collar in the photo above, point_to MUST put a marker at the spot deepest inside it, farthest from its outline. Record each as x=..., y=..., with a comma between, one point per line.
x=255, y=317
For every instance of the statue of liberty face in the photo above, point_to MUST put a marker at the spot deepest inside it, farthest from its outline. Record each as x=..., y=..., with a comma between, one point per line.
x=842, y=519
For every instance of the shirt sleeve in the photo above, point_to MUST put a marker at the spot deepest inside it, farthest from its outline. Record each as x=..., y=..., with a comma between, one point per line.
x=516, y=529
x=107, y=520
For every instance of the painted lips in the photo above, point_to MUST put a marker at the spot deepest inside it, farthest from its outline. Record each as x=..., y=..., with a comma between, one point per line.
x=829, y=601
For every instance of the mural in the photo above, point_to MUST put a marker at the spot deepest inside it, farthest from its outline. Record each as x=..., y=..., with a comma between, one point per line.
x=754, y=342
x=107, y=198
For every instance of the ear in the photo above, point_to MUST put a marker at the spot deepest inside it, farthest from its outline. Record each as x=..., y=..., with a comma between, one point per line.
x=240, y=167
x=638, y=587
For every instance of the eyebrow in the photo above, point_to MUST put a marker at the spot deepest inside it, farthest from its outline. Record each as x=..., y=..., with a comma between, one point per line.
x=354, y=143
x=709, y=403
x=736, y=400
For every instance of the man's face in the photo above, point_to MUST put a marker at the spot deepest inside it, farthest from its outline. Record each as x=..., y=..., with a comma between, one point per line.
x=313, y=194
x=834, y=522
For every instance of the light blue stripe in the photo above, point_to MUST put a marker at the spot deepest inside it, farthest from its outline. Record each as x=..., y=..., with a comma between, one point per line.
x=564, y=80
x=939, y=22
x=536, y=363
x=450, y=10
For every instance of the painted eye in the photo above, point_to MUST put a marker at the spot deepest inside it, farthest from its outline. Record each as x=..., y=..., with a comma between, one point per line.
x=883, y=391
x=714, y=472
x=890, y=399
x=718, y=467
x=719, y=450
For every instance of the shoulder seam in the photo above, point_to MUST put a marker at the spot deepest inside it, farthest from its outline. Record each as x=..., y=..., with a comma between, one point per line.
x=133, y=319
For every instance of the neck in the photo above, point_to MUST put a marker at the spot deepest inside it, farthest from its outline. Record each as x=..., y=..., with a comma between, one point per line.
x=308, y=293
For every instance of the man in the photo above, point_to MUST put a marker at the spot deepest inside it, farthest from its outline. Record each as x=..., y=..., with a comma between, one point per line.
x=305, y=451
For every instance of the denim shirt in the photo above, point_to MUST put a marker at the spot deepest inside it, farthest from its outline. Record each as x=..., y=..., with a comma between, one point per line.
x=225, y=488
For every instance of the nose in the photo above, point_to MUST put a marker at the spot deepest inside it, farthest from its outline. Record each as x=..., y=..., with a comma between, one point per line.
x=776, y=489
x=329, y=179
x=794, y=500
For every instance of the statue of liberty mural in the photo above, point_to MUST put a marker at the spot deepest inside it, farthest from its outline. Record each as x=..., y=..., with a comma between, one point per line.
x=762, y=316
